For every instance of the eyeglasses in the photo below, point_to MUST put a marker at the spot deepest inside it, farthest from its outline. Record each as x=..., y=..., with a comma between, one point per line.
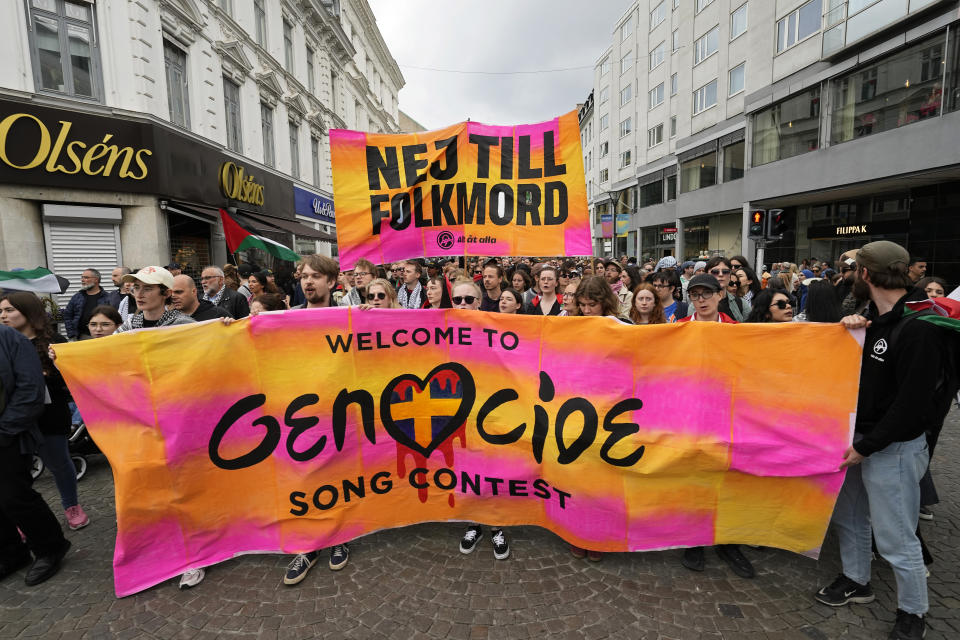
x=702, y=295
x=362, y=273
x=376, y=296
x=567, y=294
x=661, y=286
x=720, y=272
x=816, y=269
x=737, y=266
x=781, y=304
x=101, y=325
x=204, y=278
x=464, y=299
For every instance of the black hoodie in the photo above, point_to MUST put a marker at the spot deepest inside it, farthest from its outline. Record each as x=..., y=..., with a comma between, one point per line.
x=898, y=377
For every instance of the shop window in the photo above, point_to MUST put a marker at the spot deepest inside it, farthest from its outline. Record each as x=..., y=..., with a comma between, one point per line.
x=266, y=125
x=903, y=89
x=260, y=22
x=799, y=25
x=733, y=161
x=787, y=129
x=651, y=194
x=64, y=47
x=698, y=173
x=231, y=101
x=178, y=99
x=294, y=150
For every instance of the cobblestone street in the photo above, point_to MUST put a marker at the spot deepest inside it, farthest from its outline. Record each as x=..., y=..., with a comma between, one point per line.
x=413, y=582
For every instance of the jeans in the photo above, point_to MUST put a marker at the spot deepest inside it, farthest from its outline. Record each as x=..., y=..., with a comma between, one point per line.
x=884, y=491
x=56, y=457
x=22, y=507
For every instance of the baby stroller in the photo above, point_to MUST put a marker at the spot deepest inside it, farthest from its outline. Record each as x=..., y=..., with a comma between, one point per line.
x=80, y=445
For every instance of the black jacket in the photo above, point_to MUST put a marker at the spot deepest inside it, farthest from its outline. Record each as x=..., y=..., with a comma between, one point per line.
x=21, y=390
x=235, y=303
x=898, y=378
x=206, y=310
x=56, y=417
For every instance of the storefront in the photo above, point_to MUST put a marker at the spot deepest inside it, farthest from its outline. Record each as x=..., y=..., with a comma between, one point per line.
x=316, y=211
x=716, y=234
x=658, y=241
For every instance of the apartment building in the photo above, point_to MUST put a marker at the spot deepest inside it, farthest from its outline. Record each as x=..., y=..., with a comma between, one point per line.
x=844, y=114
x=126, y=126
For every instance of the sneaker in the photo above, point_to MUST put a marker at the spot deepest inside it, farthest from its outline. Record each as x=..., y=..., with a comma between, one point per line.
x=192, y=578
x=693, y=559
x=926, y=514
x=843, y=591
x=298, y=568
x=908, y=627
x=470, y=539
x=501, y=549
x=594, y=556
x=738, y=563
x=76, y=517
x=578, y=552
x=339, y=556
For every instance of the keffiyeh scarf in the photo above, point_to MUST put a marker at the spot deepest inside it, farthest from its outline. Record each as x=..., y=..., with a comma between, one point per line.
x=215, y=300
x=169, y=317
x=408, y=299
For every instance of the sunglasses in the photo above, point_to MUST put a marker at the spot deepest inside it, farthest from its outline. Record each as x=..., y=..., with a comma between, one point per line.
x=720, y=272
x=376, y=296
x=781, y=304
x=464, y=299
x=478, y=271
x=397, y=269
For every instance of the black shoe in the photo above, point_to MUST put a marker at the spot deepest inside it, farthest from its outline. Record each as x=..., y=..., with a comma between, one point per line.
x=843, y=591
x=908, y=627
x=299, y=566
x=470, y=539
x=731, y=554
x=45, y=567
x=926, y=514
x=693, y=558
x=15, y=563
x=501, y=548
x=339, y=556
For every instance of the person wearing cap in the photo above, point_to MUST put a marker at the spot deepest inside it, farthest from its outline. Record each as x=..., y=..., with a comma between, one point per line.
x=151, y=289
x=245, y=271
x=174, y=268
x=612, y=271
x=735, y=307
x=902, y=361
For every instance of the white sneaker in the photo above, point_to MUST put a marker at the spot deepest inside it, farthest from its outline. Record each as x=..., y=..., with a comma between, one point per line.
x=191, y=578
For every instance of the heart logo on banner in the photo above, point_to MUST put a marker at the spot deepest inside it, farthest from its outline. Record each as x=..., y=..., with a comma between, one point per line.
x=446, y=385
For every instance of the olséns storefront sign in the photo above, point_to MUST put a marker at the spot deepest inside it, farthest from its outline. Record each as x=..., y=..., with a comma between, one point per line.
x=237, y=184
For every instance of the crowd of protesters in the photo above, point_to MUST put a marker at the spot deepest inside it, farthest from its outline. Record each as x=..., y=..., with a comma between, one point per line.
x=888, y=486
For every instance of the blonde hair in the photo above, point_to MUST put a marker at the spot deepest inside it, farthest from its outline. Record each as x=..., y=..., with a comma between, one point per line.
x=388, y=289
x=465, y=281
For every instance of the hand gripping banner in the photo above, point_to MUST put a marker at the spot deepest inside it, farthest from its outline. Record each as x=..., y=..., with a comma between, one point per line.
x=297, y=430
x=469, y=189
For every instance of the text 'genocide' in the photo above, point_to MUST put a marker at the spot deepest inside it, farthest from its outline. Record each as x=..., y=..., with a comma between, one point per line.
x=476, y=201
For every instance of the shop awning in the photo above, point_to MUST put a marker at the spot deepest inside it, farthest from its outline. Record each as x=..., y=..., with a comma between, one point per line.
x=259, y=221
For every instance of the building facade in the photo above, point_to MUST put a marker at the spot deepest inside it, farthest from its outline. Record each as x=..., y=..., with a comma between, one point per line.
x=126, y=126
x=843, y=114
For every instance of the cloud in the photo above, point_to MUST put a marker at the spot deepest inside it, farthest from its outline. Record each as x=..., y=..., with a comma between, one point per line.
x=495, y=35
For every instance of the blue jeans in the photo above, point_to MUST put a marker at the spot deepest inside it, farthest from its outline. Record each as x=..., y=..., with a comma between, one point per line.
x=56, y=457
x=884, y=491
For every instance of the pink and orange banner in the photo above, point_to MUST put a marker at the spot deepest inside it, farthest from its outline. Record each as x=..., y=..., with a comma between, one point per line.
x=297, y=430
x=468, y=190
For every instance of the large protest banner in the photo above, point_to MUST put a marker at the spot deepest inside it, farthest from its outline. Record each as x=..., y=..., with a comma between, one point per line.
x=295, y=430
x=469, y=189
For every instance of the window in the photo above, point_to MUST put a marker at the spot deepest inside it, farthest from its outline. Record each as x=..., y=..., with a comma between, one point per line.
x=676, y=41
x=294, y=150
x=655, y=136
x=737, y=78
x=287, y=45
x=673, y=127
x=604, y=121
x=674, y=84
x=626, y=127
x=260, y=22
x=733, y=161
x=787, y=129
x=315, y=158
x=231, y=101
x=698, y=173
x=738, y=21
x=604, y=149
x=701, y=4
x=656, y=95
x=334, y=92
x=671, y=187
x=707, y=45
x=604, y=94
x=604, y=175
x=64, y=48
x=658, y=15
x=625, y=159
x=311, y=81
x=266, y=124
x=626, y=29
x=651, y=193
x=604, y=66
x=657, y=55
x=626, y=62
x=705, y=97
x=902, y=89
x=175, y=63
x=626, y=94
x=799, y=25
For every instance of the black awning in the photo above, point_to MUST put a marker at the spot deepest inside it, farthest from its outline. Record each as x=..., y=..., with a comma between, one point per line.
x=275, y=223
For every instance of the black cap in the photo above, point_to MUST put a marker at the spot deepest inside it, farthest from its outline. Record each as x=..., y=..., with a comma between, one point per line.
x=704, y=280
x=245, y=270
x=173, y=265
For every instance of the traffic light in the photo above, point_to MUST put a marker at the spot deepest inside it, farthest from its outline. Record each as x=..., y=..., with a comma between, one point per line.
x=757, y=219
x=778, y=223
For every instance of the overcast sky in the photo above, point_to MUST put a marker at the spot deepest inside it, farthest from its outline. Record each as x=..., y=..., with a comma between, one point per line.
x=495, y=35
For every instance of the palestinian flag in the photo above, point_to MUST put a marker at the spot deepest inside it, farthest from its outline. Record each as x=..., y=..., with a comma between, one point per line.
x=38, y=280
x=239, y=239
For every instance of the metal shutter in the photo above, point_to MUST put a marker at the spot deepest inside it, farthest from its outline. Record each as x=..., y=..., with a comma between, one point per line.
x=73, y=247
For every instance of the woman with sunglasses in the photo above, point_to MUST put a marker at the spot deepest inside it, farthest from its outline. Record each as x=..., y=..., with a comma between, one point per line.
x=380, y=295
x=772, y=305
x=647, y=308
x=438, y=295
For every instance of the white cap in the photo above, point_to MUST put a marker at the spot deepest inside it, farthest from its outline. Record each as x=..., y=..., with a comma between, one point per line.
x=151, y=275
